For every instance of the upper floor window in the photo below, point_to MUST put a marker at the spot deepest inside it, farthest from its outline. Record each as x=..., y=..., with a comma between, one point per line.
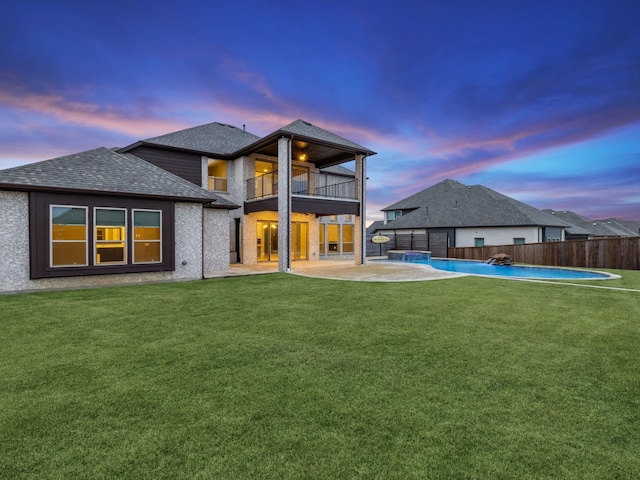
x=478, y=242
x=392, y=215
x=217, y=175
x=518, y=241
x=266, y=180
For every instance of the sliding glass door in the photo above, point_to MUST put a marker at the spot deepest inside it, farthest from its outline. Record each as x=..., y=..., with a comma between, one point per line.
x=267, y=241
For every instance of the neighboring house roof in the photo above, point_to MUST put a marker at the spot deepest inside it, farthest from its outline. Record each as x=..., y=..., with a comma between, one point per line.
x=339, y=170
x=374, y=227
x=101, y=170
x=453, y=204
x=631, y=227
x=597, y=228
x=212, y=139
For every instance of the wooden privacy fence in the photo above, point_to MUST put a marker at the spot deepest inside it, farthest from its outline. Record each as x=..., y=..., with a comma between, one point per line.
x=434, y=242
x=622, y=253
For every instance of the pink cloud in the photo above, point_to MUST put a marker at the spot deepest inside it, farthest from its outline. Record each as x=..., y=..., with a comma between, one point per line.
x=88, y=114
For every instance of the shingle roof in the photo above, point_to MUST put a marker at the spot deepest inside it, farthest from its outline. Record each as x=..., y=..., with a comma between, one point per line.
x=306, y=129
x=104, y=171
x=612, y=227
x=453, y=204
x=339, y=170
x=213, y=138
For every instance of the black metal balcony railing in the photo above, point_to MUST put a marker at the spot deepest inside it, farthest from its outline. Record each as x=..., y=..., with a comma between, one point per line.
x=308, y=183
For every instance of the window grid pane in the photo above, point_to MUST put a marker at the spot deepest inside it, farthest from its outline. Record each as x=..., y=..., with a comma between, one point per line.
x=68, y=236
x=110, y=236
x=147, y=236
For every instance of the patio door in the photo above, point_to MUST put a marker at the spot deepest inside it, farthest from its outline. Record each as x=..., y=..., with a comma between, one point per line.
x=267, y=241
x=299, y=241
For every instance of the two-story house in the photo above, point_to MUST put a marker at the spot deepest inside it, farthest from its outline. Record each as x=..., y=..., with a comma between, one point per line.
x=180, y=205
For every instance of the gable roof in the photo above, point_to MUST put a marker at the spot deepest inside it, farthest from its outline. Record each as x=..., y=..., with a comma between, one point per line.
x=214, y=138
x=453, y=204
x=104, y=171
x=322, y=148
x=305, y=129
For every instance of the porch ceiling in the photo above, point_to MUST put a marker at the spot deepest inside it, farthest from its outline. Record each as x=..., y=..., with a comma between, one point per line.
x=322, y=155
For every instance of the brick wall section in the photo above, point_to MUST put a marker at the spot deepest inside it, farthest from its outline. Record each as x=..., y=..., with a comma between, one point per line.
x=216, y=240
x=188, y=218
x=14, y=238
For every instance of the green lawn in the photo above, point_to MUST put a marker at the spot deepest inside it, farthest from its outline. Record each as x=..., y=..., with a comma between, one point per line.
x=285, y=377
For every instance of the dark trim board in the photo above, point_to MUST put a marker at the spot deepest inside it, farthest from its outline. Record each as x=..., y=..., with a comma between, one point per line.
x=182, y=164
x=39, y=234
x=317, y=206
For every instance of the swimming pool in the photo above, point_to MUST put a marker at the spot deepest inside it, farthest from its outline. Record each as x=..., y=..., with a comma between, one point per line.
x=514, y=271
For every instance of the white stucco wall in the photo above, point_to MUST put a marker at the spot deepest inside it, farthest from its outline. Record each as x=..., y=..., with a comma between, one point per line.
x=495, y=235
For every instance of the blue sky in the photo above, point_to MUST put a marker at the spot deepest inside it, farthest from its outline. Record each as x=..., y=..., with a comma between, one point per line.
x=539, y=100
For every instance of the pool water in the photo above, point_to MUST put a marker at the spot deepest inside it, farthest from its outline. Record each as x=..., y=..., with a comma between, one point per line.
x=514, y=271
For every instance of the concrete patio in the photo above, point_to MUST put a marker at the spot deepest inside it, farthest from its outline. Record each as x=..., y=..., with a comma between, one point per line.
x=373, y=271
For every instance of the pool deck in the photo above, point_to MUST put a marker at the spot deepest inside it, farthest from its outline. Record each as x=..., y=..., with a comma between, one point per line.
x=373, y=271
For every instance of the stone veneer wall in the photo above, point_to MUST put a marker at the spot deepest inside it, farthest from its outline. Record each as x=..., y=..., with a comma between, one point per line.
x=14, y=255
x=14, y=238
x=216, y=240
x=188, y=230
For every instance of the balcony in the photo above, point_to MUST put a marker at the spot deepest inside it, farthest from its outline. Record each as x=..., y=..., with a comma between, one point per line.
x=311, y=184
x=217, y=184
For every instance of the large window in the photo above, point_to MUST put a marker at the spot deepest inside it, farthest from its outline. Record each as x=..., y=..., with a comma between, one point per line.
x=87, y=235
x=347, y=238
x=336, y=239
x=68, y=236
x=111, y=235
x=147, y=236
x=217, y=175
x=266, y=179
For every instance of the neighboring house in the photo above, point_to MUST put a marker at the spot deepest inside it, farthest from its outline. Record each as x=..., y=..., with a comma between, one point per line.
x=583, y=229
x=180, y=205
x=470, y=216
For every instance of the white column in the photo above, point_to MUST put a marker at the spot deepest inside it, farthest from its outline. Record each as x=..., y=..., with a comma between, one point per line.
x=361, y=227
x=284, y=204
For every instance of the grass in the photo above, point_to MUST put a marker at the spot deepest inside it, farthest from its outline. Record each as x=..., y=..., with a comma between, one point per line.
x=279, y=376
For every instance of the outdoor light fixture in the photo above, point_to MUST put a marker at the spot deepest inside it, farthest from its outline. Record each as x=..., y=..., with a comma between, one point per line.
x=303, y=157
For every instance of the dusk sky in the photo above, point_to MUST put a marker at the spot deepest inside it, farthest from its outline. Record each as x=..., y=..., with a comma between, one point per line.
x=539, y=100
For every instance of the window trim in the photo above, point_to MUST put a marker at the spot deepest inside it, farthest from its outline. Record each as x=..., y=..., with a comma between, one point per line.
x=95, y=237
x=133, y=226
x=86, y=236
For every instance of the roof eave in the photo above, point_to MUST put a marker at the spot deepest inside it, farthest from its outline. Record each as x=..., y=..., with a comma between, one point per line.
x=78, y=191
x=142, y=143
